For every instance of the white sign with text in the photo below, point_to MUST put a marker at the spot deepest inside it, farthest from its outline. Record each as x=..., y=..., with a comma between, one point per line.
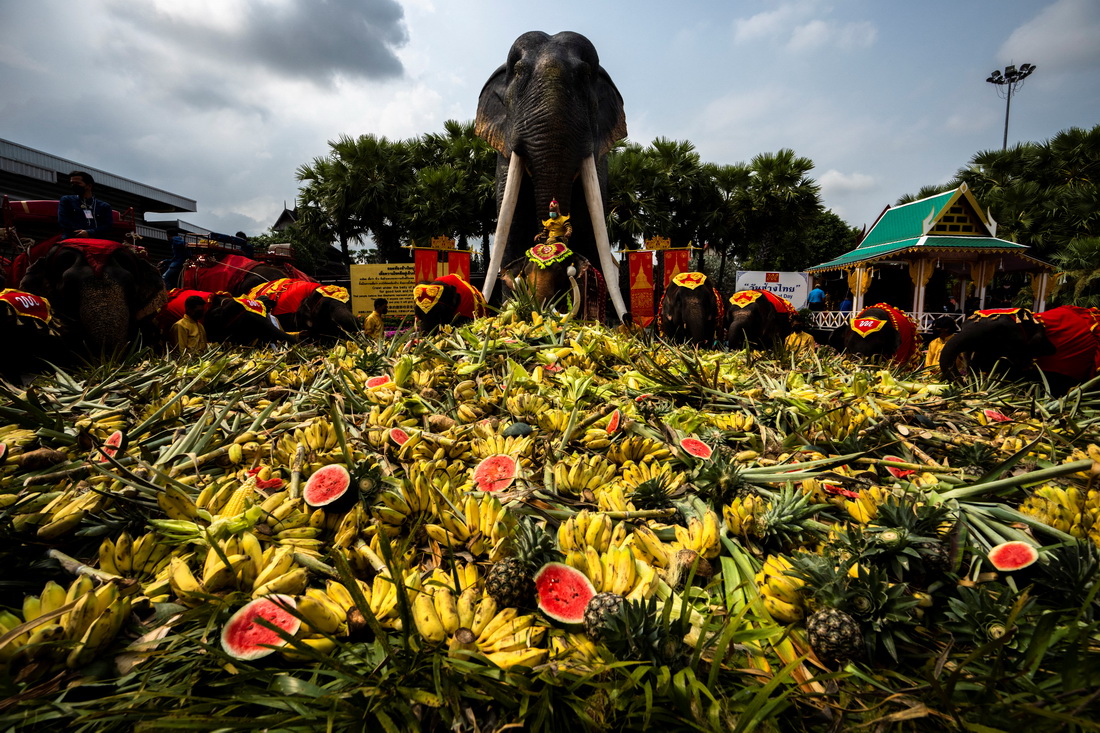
x=794, y=286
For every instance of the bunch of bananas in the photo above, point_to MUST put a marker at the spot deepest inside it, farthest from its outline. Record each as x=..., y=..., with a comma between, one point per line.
x=15, y=439
x=577, y=472
x=590, y=529
x=292, y=523
x=638, y=449
x=553, y=421
x=526, y=406
x=635, y=474
x=379, y=420
x=482, y=527
x=319, y=438
x=126, y=557
x=780, y=592
x=864, y=508
x=73, y=638
x=66, y=511
x=293, y=378
x=615, y=571
x=1070, y=509
x=700, y=536
x=506, y=638
x=612, y=498
x=405, y=502
x=648, y=548
x=102, y=423
x=839, y=423
x=574, y=652
x=741, y=514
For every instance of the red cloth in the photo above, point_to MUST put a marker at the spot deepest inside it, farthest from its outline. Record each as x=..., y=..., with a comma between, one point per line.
x=1073, y=331
x=95, y=251
x=906, y=328
x=225, y=275
x=289, y=293
x=471, y=304
x=26, y=304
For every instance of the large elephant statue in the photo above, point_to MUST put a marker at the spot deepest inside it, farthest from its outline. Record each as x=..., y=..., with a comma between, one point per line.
x=446, y=300
x=241, y=321
x=758, y=318
x=552, y=113
x=691, y=310
x=879, y=330
x=1062, y=342
x=550, y=270
x=27, y=321
x=316, y=311
x=102, y=293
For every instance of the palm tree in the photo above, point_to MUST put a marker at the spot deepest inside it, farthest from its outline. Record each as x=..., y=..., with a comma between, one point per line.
x=629, y=171
x=779, y=196
x=1080, y=261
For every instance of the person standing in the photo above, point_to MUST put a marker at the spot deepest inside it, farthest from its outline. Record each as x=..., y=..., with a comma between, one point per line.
x=80, y=214
x=187, y=333
x=372, y=324
x=816, y=299
x=846, y=304
x=175, y=266
x=247, y=249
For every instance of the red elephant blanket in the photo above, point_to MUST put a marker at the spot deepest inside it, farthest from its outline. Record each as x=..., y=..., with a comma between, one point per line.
x=26, y=304
x=903, y=324
x=224, y=275
x=173, y=310
x=289, y=293
x=471, y=303
x=781, y=305
x=1073, y=331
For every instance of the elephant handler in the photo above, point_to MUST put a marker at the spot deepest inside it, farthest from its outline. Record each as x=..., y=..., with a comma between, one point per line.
x=187, y=334
x=944, y=328
x=555, y=229
x=798, y=340
x=81, y=215
x=372, y=324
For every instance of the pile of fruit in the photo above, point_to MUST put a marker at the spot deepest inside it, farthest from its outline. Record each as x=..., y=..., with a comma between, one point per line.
x=531, y=521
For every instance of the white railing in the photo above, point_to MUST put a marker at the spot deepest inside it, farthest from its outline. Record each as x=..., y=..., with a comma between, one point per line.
x=834, y=319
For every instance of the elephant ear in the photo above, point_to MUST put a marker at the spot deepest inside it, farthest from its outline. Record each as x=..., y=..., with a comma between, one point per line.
x=150, y=294
x=492, y=115
x=611, y=119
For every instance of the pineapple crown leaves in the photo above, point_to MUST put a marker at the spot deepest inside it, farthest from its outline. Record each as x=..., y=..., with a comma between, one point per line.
x=1071, y=572
x=719, y=479
x=532, y=545
x=917, y=518
x=989, y=612
x=654, y=493
x=893, y=549
x=639, y=630
x=789, y=516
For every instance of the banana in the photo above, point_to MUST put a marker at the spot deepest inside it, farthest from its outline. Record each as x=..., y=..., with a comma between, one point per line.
x=781, y=611
x=320, y=612
x=593, y=566
x=183, y=582
x=177, y=504
x=496, y=624
x=466, y=606
x=427, y=620
x=124, y=546
x=77, y=620
x=290, y=583
x=100, y=632
x=521, y=658
x=485, y=613
x=282, y=559
x=52, y=598
x=447, y=609
x=32, y=608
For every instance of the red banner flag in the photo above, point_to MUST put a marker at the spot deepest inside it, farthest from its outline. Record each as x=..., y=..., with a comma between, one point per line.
x=641, y=286
x=425, y=262
x=676, y=261
x=458, y=263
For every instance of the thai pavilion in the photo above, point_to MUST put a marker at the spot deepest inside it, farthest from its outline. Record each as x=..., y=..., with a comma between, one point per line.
x=912, y=251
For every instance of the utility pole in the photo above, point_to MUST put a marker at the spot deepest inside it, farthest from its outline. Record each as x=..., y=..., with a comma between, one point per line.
x=1006, y=83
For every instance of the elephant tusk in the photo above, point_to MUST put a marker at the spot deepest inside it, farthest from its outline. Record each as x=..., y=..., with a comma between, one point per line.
x=504, y=223
x=591, y=183
x=576, y=299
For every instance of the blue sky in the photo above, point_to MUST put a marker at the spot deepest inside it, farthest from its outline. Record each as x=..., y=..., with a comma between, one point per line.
x=221, y=100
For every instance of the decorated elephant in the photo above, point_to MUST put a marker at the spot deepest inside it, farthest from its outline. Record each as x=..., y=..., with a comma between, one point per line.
x=27, y=321
x=879, y=330
x=102, y=293
x=552, y=113
x=241, y=320
x=1062, y=343
x=551, y=270
x=235, y=274
x=691, y=310
x=317, y=311
x=446, y=300
x=759, y=318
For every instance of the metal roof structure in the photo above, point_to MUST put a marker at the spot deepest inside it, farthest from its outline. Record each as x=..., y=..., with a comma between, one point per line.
x=26, y=173
x=947, y=226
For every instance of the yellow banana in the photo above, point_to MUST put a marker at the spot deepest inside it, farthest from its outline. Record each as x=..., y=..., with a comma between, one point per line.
x=427, y=620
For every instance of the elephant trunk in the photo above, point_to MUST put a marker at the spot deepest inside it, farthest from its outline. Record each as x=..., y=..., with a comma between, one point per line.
x=952, y=350
x=104, y=315
x=739, y=334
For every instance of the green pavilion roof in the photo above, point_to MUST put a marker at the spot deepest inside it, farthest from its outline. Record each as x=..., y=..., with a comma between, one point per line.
x=951, y=221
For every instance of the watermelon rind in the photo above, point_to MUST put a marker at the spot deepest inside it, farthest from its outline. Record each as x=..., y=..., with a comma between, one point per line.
x=244, y=639
x=115, y=442
x=613, y=425
x=1009, y=557
x=563, y=592
x=398, y=436
x=495, y=473
x=328, y=487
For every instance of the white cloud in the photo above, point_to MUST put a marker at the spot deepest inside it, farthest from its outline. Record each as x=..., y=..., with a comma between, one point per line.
x=1062, y=37
x=770, y=23
x=799, y=26
x=833, y=182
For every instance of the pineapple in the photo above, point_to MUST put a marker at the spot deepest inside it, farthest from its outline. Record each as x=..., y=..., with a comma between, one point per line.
x=598, y=613
x=637, y=631
x=511, y=582
x=784, y=521
x=834, y=635
x=719, y=479
x=907, y=533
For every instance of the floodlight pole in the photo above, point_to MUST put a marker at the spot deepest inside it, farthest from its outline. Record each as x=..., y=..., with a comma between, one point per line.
x=1009, y=80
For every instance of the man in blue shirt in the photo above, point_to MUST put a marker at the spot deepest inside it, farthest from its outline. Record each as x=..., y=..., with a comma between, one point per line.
x=817, y=299
x=81, y=215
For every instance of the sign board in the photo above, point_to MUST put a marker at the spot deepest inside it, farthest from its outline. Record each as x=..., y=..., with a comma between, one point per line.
x=392, y=282
x=794, y=286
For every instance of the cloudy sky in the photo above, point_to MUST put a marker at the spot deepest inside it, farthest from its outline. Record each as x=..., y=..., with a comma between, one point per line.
x=221, y=100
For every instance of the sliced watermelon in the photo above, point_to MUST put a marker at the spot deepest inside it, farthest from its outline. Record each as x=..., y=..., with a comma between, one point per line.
x=495, y=473
x=1010, y=557
x=697, y=448
x=329, y=488
x=616, y=420
x=244, y=638
x=115, y=442
x=379, y=381
x=898, y=472
x=563, y=592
